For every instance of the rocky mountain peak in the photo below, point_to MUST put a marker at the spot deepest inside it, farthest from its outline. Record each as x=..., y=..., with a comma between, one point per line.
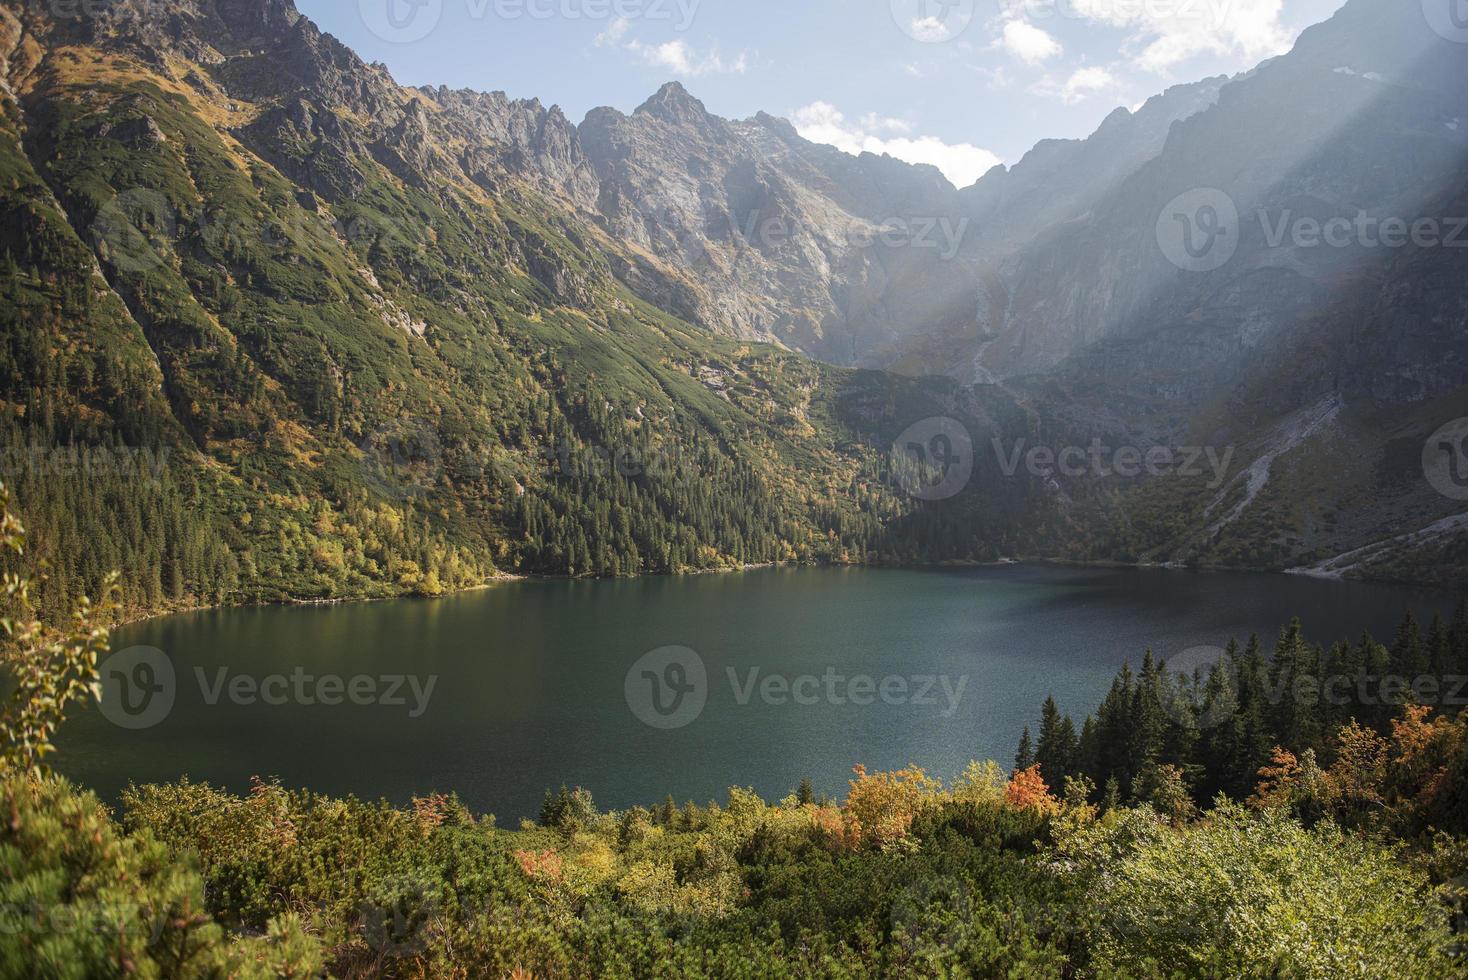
x=674, y=105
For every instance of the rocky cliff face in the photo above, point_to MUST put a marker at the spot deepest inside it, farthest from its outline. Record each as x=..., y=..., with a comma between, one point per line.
x=777, y=238
x=854, y=259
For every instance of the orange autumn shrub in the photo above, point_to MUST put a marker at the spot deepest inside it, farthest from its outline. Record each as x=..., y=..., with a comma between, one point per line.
x=831, y=828
x=1027, y=790
x=541, y=866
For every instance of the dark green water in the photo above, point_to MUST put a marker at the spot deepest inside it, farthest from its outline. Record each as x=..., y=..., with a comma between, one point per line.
x=531, y=678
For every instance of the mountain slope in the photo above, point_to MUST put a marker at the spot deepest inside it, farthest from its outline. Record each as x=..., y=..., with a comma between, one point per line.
x=375, y=355
x=331, y=336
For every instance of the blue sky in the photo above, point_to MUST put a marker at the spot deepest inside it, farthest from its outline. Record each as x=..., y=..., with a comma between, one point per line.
x=960, y=84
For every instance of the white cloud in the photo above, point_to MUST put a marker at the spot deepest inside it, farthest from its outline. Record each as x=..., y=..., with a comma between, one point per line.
x=996, y=78
x=1168, y=32
x=931, y=29
x=1080, y=85
x=614, y=33
x=1027, y=42
x=1085, y=82
x=961, y=163
x=681, y=59
x=885, y=123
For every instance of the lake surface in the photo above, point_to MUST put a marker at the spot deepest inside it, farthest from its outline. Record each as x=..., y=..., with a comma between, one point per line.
x=539, y=683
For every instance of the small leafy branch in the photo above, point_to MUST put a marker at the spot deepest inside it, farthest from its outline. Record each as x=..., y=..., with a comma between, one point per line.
x=50, y=667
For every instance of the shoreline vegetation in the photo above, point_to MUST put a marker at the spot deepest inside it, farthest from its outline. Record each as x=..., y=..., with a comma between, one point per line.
x=506, y=578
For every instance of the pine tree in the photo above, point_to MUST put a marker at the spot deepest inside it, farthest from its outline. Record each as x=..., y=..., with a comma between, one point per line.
x=1409, y=655
x=1439, y=647
x=806, y=795
x=1458, y=637
x=1145, y=739
x=1111, y=796
x=1025, y=757
x=1056, y=749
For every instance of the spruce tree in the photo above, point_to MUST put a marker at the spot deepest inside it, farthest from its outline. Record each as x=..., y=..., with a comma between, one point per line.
x=1025, y=757
x=1056, y=748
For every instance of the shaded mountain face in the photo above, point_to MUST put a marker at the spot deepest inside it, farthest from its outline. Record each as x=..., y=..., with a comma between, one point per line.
x=1213, y=249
